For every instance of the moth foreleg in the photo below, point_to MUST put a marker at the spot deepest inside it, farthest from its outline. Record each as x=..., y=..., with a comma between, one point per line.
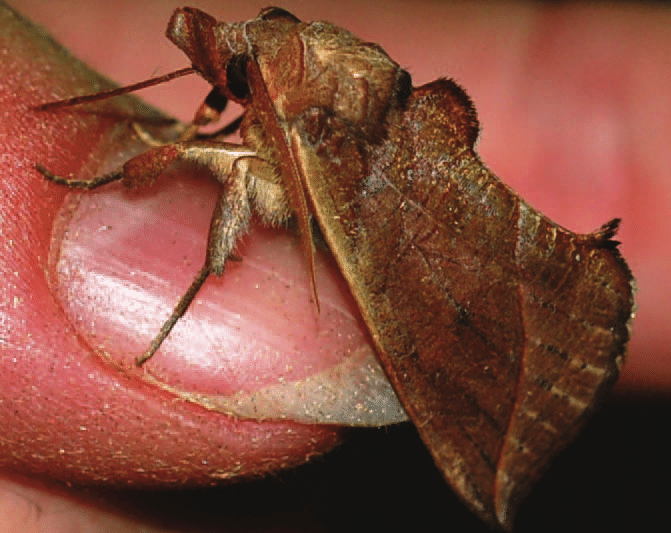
x=229, y=221
x=176, y=314
x=207, y=113
x=80, y=184
x=139, y=171
x=240, y=171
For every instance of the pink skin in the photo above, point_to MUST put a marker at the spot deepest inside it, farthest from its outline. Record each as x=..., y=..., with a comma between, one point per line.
x=576, y=116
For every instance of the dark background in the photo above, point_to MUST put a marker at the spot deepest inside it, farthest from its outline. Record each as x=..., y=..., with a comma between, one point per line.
x=614, y=477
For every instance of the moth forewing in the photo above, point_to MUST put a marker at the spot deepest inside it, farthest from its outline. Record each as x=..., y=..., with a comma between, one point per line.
x=493, y=392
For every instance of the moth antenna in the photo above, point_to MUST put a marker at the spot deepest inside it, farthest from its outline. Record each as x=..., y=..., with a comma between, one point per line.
x=102, y=95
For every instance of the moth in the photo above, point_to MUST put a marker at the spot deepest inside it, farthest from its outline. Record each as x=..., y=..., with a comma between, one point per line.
x=499, y=330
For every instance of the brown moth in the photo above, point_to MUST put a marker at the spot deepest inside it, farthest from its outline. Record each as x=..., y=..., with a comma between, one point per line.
x=499, y=329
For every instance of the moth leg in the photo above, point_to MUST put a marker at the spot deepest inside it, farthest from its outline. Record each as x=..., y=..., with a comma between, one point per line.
x=188, y=132
x=177, y=313
x=207, y=113
x=140, y=171
x=229, y=221
x=80, y=184
x=228, y=129
x=244, y=177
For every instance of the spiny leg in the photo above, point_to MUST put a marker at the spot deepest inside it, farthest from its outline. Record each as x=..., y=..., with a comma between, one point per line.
x=177, y=313
x=140, y=171
x=207, y=113
x=81, y=184
x=231, y=164
x=229, y=129
x=229, y=221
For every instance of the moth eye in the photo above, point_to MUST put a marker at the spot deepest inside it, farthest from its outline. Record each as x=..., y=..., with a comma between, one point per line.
x=403, y=86
x=236, y=77
x=277, y=13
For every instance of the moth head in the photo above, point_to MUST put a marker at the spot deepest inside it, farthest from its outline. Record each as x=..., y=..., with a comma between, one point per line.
x=303, y=66
x=219, y=51
x=212, y=48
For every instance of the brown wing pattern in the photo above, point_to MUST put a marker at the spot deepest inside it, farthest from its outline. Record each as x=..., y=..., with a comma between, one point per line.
x=498, y=328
